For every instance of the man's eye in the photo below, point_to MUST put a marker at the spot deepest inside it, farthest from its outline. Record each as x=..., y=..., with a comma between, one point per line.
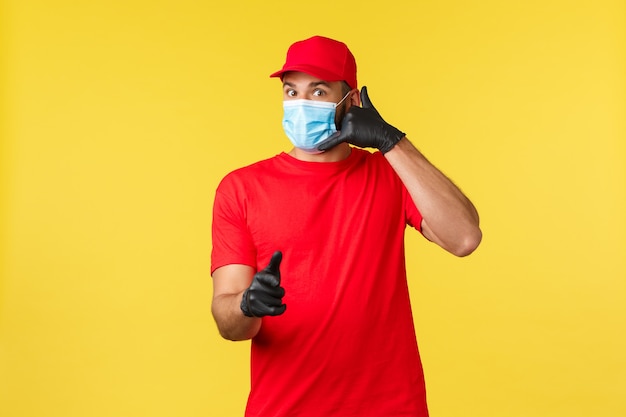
x=318, y=93
x=291, y=93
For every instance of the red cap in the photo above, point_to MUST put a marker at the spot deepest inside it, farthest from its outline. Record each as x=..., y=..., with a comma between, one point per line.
x=321, y=57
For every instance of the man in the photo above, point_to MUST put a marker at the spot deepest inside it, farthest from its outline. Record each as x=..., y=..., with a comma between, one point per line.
x=308, y=250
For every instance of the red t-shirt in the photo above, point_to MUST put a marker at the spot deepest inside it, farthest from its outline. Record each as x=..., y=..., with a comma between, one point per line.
x=346, y=344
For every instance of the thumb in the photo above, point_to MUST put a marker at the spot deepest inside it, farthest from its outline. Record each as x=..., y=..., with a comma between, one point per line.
x=274, y=265
x=332, y=141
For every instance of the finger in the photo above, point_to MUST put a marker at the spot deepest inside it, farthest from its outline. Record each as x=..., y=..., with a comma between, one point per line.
x=264, y=304
x=365, y=99
x=332, y=141
x=277, y=311
x=270, y=285
x=274, y=265
x=273, y=298
x=267, y=280
x=272, y=310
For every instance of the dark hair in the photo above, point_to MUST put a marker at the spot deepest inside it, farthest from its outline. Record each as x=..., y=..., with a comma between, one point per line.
x=345, y=88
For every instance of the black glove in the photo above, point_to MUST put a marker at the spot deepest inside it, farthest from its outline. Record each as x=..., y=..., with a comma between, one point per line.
x=264, y=296
x=363, y=127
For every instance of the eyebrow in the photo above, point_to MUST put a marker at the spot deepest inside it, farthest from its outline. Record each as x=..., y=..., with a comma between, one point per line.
x=312, y=84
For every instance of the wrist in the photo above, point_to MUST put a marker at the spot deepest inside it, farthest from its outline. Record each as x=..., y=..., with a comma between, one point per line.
x=245, y=304
x=392, y=137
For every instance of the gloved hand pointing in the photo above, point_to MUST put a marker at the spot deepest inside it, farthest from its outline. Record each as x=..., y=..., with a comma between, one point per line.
x=365, y=128
x=264, y=296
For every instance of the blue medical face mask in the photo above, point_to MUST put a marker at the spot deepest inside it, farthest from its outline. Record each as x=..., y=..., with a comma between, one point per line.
x=309, y=122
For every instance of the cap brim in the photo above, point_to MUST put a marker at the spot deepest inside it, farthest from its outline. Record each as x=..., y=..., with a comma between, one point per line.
x=314, y=71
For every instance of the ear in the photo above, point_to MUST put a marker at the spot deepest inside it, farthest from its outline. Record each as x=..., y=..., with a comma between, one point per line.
x=355, y=97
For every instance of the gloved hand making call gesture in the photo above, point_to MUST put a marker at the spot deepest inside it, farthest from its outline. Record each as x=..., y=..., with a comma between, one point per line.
x=365, y=128
x=264, y=297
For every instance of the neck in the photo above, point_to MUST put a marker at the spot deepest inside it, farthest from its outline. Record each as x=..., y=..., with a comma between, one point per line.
x=338, y=153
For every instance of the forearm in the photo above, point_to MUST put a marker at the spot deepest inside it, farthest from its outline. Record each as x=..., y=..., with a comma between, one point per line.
x=231, y=322
x=450, y=217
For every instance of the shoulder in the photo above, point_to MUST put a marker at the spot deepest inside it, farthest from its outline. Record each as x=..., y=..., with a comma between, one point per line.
x=365, y=156
x=250, y=169
x=244, y=175
x=374, y=161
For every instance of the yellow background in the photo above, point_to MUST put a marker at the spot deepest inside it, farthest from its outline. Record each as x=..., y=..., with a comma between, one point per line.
x=120, y=117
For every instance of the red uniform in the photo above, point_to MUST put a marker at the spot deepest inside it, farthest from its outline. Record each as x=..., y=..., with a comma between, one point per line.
x=346, y=344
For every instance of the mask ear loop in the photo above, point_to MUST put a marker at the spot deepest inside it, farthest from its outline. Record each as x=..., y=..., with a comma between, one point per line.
x=344, y=97
x=338, y=126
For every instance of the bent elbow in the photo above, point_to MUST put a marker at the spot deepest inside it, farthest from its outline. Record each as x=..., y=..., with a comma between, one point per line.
x=235, y=335
x=231, y=337
x=468, y=244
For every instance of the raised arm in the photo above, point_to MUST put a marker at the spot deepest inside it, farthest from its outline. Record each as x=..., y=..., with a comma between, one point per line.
x=449, y=218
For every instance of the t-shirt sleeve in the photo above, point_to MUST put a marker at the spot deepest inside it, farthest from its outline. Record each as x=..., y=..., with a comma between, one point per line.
x=231, y=239
x=412, y=213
